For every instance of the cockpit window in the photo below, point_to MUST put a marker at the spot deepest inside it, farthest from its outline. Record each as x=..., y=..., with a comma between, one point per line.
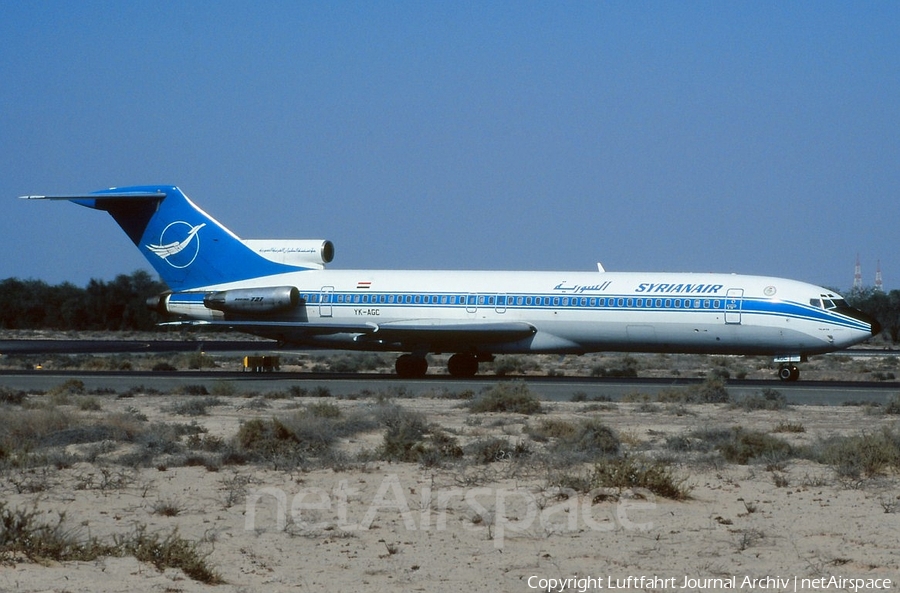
x=828, y=302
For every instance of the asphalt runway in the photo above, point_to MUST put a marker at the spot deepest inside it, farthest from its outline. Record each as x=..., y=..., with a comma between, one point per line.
x=20, y=347
x=345, y=385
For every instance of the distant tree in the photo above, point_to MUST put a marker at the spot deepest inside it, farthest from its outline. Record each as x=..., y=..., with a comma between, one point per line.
x=118, y=305
x=885, y=307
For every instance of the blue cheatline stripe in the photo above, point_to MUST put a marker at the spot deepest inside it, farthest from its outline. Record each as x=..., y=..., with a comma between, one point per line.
x=545, y=301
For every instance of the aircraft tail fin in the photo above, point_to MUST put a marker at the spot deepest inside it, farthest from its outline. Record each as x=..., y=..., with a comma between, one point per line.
x=186, y=246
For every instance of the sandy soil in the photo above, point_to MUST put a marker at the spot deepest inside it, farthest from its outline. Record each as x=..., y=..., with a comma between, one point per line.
x=380, y=526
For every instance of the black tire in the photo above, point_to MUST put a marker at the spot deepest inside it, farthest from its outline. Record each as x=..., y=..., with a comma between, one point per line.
x=409, y=366
x=789, y=373
x=462, y=365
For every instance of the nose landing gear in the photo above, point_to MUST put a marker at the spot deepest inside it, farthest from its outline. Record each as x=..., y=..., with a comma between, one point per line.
x=788, y=372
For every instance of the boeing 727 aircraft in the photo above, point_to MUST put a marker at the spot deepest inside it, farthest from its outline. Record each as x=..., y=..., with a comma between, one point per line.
x=283, y=291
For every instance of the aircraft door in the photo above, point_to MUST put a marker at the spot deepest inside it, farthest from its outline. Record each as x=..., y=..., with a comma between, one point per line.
x=326, y=297
x=500, y=303
x=471, y=303
x=733, y=301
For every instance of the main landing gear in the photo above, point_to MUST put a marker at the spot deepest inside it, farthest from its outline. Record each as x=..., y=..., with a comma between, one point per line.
x=409, y=366
x=462, y=364
x=788, y=372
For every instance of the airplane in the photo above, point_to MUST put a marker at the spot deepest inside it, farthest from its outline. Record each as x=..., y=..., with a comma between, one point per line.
x=281, y=289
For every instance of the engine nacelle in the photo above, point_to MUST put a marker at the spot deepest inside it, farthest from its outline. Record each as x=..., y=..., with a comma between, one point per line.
x=313, y=253
x=187, y=304
x=254, y=300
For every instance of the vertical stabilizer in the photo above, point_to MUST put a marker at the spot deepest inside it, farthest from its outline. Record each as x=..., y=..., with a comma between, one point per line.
x=186, y=246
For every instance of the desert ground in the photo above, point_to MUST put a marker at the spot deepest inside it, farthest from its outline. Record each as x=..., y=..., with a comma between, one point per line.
x=215, y=489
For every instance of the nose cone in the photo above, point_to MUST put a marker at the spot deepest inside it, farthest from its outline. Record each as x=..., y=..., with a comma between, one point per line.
x=874, y=326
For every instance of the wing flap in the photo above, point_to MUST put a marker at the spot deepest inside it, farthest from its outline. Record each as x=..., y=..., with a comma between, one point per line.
x=441, y=332
x=300, y=328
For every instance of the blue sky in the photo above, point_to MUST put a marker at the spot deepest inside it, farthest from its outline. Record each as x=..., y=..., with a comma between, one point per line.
x=747, y=137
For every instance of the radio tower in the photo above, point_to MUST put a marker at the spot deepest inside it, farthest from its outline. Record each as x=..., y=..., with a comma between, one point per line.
x=857, y=276
x=879, y=285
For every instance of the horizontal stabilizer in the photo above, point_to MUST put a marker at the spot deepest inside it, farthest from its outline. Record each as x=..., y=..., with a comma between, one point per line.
x=106, y=196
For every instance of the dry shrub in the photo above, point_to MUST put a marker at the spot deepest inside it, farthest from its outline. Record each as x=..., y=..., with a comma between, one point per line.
x=639, y=472
x=736, y=445
x=864, y=455
x=408, y=437
x=513, y=396
x=28, y=533
x=766, y=399
x=587, y=439
x=710, y=391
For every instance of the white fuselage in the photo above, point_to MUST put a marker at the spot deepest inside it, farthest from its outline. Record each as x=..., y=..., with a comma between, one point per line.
x=572, y=312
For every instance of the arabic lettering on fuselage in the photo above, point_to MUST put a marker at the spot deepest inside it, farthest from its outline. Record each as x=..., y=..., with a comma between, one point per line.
x=678, y=288
x=578, y=288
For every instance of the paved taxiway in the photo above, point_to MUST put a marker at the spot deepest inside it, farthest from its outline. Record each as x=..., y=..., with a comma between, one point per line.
x=547, y=388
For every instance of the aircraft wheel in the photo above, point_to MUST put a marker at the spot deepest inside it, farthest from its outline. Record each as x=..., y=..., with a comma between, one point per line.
x=409, y=366
x=789, y=373
x=462, y=365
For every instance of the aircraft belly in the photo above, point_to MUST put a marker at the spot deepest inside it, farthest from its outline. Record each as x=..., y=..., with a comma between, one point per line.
x=705, y=338
x=575, y=335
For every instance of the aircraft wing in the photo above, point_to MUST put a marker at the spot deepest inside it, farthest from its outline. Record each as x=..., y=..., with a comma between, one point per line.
x=413, y=331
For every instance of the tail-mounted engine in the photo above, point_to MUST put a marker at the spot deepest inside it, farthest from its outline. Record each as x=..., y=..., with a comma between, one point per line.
x=307, y=253
x=254, y=300
x=214, y=305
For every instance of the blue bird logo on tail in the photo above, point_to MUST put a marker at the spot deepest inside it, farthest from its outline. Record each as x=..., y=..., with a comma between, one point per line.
x=168, y=251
